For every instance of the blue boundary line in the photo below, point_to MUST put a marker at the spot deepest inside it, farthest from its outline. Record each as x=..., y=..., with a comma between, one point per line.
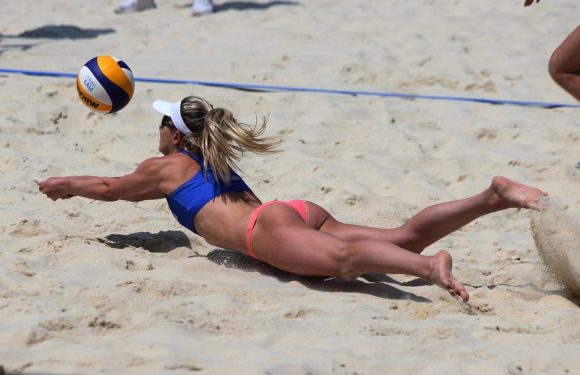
x=274, y=88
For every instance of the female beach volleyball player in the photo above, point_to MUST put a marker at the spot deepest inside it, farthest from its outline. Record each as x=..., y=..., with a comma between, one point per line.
x=201, y=145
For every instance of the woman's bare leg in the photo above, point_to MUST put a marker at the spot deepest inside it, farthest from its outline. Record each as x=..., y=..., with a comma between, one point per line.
x=437, y=221
x=282, y=240
x=564, y=65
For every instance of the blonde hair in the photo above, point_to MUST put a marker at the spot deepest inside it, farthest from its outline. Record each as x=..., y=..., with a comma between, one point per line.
x=219, y=138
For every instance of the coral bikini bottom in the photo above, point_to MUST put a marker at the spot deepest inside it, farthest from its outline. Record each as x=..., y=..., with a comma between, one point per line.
x=298, y=205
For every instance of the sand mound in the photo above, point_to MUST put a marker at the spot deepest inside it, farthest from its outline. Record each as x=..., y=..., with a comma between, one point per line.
x=557, y=237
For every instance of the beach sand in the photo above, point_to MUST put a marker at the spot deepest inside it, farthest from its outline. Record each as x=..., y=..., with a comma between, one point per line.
x=91, y=287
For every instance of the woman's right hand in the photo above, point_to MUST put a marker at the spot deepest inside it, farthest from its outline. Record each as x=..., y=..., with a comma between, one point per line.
x=55, y=188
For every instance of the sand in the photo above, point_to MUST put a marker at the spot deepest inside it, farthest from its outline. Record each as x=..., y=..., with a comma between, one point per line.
x=91, y=287
x=557, y=238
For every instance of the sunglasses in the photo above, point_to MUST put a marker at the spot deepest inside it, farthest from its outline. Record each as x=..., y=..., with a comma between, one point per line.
x=166, y=121
x=164, y=125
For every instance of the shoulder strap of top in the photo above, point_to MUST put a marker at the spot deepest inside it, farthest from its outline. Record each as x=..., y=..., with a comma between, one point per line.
x=193, y=156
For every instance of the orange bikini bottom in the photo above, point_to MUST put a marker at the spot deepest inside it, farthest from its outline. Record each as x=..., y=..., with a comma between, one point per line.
x=298, y=205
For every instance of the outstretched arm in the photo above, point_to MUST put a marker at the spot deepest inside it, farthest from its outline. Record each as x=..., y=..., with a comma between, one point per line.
x=140, y=185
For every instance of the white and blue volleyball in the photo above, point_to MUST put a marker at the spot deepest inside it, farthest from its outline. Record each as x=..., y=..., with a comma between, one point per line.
x=105, y=84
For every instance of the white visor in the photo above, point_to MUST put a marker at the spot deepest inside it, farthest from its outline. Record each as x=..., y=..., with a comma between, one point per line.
x=172, y=110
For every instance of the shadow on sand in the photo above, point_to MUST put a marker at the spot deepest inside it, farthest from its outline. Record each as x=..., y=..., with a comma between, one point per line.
x=250, y=5
x=49, y=32
x=246, y=5
x=60, y=32
x=378, y=285
x=161, y=242
x=375, y=285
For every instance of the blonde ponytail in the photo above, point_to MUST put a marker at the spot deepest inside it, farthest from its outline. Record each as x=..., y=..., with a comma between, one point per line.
x=220, y=139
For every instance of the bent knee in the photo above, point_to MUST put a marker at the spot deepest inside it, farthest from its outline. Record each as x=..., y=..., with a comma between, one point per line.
x=556, y=67
x=344, y=262
x=554, y=64
x=410, y=239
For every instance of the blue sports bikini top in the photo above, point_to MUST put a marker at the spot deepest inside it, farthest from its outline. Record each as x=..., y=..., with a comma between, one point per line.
x=188, y=199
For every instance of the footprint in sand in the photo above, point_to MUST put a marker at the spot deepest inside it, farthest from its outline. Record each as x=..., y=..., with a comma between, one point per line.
x=28, y=228
x=11, y=164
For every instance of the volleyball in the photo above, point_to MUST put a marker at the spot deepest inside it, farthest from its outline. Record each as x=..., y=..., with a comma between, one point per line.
x=105, y=84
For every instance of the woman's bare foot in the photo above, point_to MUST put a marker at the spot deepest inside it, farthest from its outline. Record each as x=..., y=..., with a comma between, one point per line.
x=441, y=275
x=510, y=194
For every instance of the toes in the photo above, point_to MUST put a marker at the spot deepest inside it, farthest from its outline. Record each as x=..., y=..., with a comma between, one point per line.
x=459, y=290
x=463, y=293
